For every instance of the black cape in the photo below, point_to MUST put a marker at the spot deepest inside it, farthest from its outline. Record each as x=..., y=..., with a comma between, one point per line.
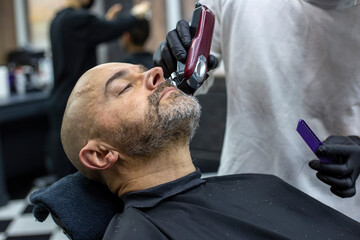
x=246, y=206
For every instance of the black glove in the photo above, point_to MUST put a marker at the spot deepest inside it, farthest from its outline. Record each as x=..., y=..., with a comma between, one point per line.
x=341, y=174
x=175, y=48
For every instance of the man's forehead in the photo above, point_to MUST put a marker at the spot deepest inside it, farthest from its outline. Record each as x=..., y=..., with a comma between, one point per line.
x=99, y=76
x=115, y=66
x=104, y=71
x=109, y=68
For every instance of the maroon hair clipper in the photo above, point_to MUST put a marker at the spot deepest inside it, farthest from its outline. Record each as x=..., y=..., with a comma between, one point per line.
x=190, y=76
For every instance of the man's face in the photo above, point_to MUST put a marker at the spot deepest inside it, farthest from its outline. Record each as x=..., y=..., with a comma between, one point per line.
x=139, y=112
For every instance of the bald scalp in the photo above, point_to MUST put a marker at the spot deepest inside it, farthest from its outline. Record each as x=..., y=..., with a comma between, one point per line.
x=79, y=121
x=83, y=114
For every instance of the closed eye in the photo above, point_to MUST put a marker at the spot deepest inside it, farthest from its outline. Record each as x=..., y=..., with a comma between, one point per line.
x=125, y=89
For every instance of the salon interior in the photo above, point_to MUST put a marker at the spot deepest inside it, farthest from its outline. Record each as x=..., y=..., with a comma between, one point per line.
x=26, y=87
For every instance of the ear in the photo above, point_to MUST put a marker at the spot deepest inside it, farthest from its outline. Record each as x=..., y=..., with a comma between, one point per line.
x=97, y=156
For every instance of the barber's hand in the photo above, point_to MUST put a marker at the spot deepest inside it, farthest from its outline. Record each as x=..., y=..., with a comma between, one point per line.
x=175, y=48
x=113, y=11
x=341, y=174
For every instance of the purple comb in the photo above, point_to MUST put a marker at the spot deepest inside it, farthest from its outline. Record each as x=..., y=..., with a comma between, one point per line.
x=310, y=139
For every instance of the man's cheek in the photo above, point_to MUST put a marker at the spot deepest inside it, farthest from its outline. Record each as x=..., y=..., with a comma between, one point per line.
x=136, y=109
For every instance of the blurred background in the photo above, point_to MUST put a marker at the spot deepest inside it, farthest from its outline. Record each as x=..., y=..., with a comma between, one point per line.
x=26, y=84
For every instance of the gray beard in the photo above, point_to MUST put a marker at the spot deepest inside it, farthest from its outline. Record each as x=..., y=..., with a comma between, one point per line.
x=164, y=124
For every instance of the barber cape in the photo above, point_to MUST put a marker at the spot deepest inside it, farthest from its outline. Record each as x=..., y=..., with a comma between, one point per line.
x=287, y=60
x=247, y=206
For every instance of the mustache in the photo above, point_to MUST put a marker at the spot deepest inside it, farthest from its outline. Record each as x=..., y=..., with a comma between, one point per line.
x=154, y=97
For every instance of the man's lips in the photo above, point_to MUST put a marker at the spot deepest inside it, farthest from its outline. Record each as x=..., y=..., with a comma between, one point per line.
x=166, y=91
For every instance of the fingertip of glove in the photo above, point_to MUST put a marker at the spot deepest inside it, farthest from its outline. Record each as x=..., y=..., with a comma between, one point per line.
x=320, y=149
x=313, y=163
x=343, y=193
x=213, y=62
x=181, y=56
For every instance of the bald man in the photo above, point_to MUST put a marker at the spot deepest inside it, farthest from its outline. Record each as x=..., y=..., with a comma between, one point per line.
x=130, y=130
x=75, y=34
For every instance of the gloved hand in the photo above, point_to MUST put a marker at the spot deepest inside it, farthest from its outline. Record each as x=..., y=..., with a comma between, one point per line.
x=175, y=48
x=341, y=174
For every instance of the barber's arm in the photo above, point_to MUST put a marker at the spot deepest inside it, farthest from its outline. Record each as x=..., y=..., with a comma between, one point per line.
x=96, y=30
x=175, y=48
x=342, y=173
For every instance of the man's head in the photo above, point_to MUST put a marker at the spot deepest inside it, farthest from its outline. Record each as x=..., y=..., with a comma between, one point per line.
x=119, y=110
x=137, y=35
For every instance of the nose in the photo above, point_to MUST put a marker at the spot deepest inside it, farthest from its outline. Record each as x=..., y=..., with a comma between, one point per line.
x=154, y=77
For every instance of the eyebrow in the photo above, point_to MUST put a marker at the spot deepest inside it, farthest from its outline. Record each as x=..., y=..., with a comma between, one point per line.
x=117, y=75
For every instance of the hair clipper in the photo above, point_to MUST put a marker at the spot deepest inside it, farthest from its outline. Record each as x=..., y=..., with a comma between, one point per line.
x=191, y=75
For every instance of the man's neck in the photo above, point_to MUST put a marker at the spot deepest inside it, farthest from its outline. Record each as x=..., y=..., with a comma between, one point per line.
x=164, y=167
